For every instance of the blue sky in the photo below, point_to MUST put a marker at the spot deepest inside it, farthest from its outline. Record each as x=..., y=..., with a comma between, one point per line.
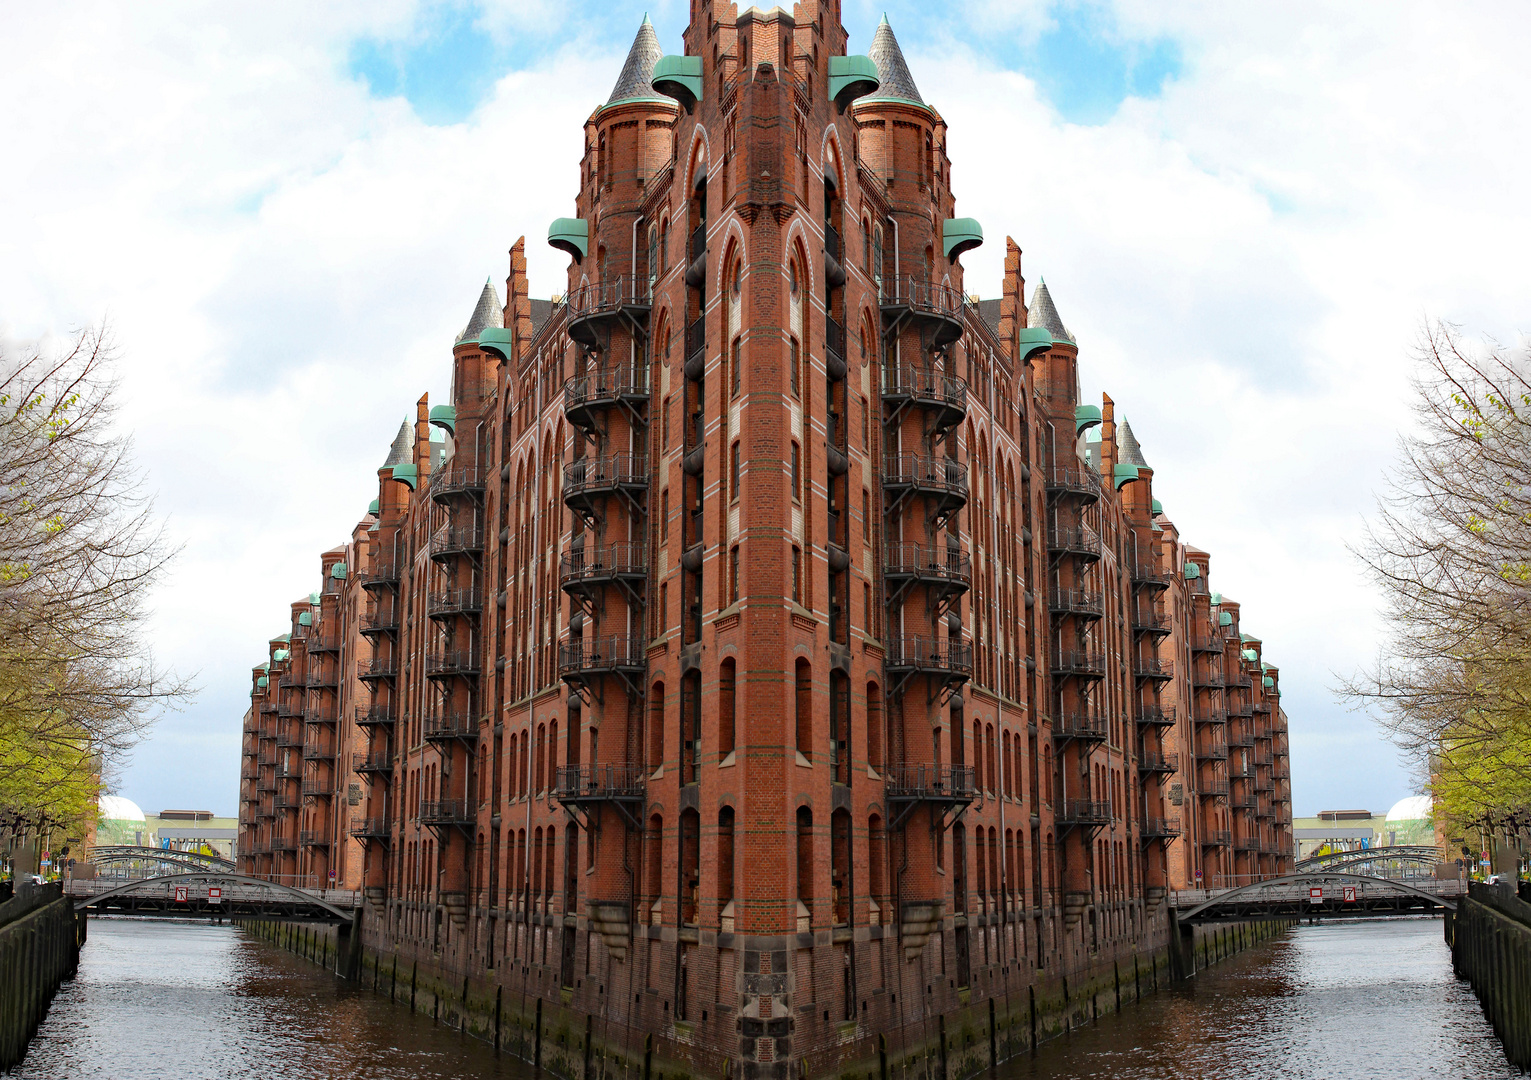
x=1243, y=211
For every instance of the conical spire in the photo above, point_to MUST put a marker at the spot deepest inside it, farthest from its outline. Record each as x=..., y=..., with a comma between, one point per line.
x=1129, y=452
x=636, y=73
x=894, y=81
x=402, y=450
x=488, y=312
x=1042, y=313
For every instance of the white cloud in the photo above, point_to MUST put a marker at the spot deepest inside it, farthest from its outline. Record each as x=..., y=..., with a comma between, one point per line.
x=287, y=260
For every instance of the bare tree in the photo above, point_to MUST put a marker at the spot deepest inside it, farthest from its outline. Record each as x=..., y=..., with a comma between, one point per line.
x=80, y=550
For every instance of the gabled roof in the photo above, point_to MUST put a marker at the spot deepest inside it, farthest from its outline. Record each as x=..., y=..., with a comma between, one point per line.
x=894, y=81
x=1129, y=452
x=1042, y=313
x=486, y=313
x=402, y=450
x=634, y=82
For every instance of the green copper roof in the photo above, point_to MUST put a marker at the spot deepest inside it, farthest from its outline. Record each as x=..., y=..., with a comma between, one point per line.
x=263, y=682
x=280, y=655
x=1033, y=340
x=1250, y=655
x=571, y=235
x=283, y=637
x=1192, y=571
x=959, y=235
x=851, y=77
x=338, y=571
x=1267, y=682
x=1225, y=618
x=408, y=475
x=445, y=416
x=1124, y=474
x=1085, y=417
x=1217, y=598
x=496, y=342
x=373, y=508
x=679, y=77
x=1158, y=507
x=305, y=618
x=264, y=665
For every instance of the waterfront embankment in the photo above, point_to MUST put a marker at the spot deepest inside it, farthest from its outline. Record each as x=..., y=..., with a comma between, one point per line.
x=40, y=938
x=1490, y=938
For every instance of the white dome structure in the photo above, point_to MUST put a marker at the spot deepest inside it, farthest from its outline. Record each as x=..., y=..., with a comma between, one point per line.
x=116, y=808
x=1414, y=808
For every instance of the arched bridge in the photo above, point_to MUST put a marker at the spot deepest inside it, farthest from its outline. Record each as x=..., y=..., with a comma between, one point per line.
x=109, y=855
x=192, y=894
x=1418, y=854
x=1337, y=894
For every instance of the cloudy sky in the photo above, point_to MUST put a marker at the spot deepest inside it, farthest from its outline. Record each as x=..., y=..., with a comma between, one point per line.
x=287, y=210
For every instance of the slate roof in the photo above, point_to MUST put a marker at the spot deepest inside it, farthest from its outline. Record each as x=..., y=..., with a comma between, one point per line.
x=895, y=82
x=402, y=451
x=634, y=82
x=1129, y=452
x=1043, y=313
x=488, y=312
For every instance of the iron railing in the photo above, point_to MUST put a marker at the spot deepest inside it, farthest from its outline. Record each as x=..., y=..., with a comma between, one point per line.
x=1085, y=726
x=930, y=654
x=925, y=385
x=1154, y=762
x=602, y=654
x=606, y=384
x=921, y=296
x=446, y=812
x=1156, y=715
x=1085, y=812
x=1160, y=827
x=453, y=662
x=627, y=559
x=1075, y=602
x=1080, y=541
x=457, y=479
x=928, y=562
x=930, y=782
x=926, y=473
x=465, y=601
x=605, y=473
x=455, y=541
x=575, y=783
x=1079, y=662
x=449, y=725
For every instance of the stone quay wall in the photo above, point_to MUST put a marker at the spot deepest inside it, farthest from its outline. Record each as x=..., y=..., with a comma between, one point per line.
x=1490, y=939
x=40, y=939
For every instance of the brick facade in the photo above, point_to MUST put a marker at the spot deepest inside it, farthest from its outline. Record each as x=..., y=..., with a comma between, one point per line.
x=765, y=655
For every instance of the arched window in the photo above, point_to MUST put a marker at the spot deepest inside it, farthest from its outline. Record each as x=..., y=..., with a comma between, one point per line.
x=876, y=843
x=727, y=704
x=874, y=726
x=690, y=866
x=804, y=708
x=552, y=778
x=656, y=727
x=654, y=858
x=805, y=856
x=725, y=857
x=840, y=864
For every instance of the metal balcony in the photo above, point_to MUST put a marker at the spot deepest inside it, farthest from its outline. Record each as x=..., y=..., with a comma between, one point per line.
x=317, y=752
x=625, y=298
x=603, y=656
x=934, y=307
x=379, y=619
x=1153, y=670
x=1212, y=752
x=1083, y=727
x=283, y=843
x=453, y=663
x=1149, y=577
x=373, y=828
x=375, y=716
x=1079, y=663
x=329, y=643
x=586, y=396
x=942, y=480
x=379, y=575
x=1074, y=481
x=1207, y=643
x=948, y=787
x=442, y=813
x=1153, y=762
x=377, y=763
x=594, y=478
x=1160, y=828
x=1152, y=623
x=1241, y=739
x=457, y=481
x=949, y=569
x=1210, y=716
x=370, y=671
x=313, y=838
x=1216, y=788
x=1216, y=838
x=1084, y=813
x=1080, y=603
x=449, y=603
x=1156, y=716
x=581, y=787
x=934, y=656
x=320, y=789
x=447, y=726
x=1207, y=680
x=449, y=542
x=580, y=571
x=942, y=397
x=1074, y=541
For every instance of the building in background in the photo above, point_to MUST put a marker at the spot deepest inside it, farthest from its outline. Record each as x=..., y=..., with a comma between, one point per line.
x=765, y=657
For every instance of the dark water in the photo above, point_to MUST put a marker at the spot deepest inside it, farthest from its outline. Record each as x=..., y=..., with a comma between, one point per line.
x=170, y=1000
x=1353, y=1000
x=187, y=1001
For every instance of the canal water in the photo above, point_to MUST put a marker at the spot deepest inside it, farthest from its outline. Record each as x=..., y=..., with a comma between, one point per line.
x=1349, y=1000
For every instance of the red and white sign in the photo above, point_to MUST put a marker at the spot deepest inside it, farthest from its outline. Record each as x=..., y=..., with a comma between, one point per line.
x=180, y=894
x=215, y=895
x=1315, y=895
x=1350, y=894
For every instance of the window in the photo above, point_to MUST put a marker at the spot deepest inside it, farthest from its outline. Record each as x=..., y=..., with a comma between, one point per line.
x=664, y=258
x=665, y=441
x=792, y=364
x=664, y=607
x=866, y=515
x=664, y=516
x=866, y=607
x=725, y=857
x=738, y=275
x=733, y=575
x=738, y=366
x=727, y=703
x=866, y=440
x=796, y=472
x=797, y=575
x=805, y=856
x=733, y=473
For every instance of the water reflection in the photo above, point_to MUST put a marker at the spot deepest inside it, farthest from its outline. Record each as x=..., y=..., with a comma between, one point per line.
x=158, y=998
x=1352, y=1000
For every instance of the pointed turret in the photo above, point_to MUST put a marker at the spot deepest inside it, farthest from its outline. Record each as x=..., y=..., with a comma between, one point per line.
x=488, y=312
x=894, y=81
x=1129, y=452
x=634, y=83
x=1042, y=313
x=401, y=452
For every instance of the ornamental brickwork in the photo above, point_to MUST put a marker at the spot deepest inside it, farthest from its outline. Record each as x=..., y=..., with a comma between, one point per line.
x=765, y=657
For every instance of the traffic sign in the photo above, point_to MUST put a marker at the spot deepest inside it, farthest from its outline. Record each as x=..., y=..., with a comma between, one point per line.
x=1350, y=894
x=1315, y=895
x=180, y=894
x=215, y=895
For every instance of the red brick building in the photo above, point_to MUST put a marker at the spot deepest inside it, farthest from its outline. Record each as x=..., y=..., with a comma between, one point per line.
x=765, y=661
